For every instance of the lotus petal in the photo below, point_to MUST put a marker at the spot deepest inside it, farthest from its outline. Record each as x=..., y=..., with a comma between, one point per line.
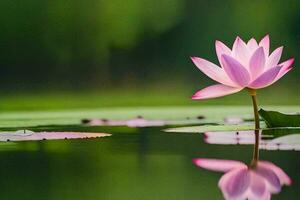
x=240, y=51
x=252, y=45
x=283, y=177
x=257, y=62
x=265, y=43
x=273, y=182
x=217, y=164
x=221, y=49
x=265, y=79
x=235, y=71
x=212, y=71
x=235, y=183
x=258, y=189
x=286, y=67
x=213, y=91
x=274, y=58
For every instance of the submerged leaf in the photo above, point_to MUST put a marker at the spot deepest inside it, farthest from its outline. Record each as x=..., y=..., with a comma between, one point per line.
x=277, y=119
x=26, y=135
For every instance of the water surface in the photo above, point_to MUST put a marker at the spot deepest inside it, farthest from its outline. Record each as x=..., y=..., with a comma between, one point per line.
x=133, y=164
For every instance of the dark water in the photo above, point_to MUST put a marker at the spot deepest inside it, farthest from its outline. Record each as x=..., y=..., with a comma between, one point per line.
x=133, y=164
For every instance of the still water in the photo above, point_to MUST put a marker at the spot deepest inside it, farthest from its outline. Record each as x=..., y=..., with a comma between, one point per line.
x=133, y=164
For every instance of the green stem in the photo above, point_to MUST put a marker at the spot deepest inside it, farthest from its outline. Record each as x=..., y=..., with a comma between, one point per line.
x=255, y=110
x=257, y=127
x=255, y=157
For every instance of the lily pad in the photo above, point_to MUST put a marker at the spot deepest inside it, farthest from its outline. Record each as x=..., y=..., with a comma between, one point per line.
x=26, y=135
x=214, y=128
x=267, y=142
x=140, y=121
x=277, y=119
x=211, y=114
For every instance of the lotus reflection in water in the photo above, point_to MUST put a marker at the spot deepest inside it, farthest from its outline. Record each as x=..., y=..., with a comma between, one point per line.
x=246, y=182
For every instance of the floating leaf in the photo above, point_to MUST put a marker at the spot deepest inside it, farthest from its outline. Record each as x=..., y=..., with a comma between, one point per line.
x=212, y=114
x=135, y=122
x=277, y=119
x=206, y=128
x=26, y=135
x=141, y=122
x=267, y=142
x=287, y=142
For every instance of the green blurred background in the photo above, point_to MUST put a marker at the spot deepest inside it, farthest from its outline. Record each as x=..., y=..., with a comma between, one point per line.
x=97, y=53
x=67, y=54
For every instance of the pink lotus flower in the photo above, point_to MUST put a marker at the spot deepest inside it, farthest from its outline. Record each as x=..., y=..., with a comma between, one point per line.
x=245, y=66
x=242, y=182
